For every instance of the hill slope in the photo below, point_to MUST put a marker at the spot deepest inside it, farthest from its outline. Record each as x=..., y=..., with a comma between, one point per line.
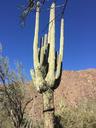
x=75, y=86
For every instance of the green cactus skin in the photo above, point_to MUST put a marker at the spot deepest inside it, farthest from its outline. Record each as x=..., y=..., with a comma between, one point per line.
x=47, y=71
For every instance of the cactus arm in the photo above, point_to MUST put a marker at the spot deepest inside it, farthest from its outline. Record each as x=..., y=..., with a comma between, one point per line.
x=42, y=52
x=60, y=56
x=42, y=56
x=45, y=42
x=51, y=42
x=35, y=44
x=33, y=76
x=62, y=39
x=43, y=48
x=46, y=49
x=39, y=81
x=58, y=67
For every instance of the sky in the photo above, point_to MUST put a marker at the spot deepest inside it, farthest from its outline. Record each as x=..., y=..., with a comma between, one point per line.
x=80, y=33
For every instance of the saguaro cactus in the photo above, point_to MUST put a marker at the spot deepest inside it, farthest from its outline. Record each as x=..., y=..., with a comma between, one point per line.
x=47, y=70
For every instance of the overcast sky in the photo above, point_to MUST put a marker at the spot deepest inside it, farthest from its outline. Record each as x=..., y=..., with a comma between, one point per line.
x=80, y=33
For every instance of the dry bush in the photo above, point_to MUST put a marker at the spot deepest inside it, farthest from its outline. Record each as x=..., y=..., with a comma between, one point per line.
x=12, y=97
x=82, y=116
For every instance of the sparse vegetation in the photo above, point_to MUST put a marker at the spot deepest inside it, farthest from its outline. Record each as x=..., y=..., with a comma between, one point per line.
x=82, y=116
x=12, y=97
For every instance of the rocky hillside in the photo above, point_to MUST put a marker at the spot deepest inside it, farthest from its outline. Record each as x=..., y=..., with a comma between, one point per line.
x=75, y=87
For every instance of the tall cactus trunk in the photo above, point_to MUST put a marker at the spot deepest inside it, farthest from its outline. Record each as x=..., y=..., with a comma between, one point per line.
x=47, y=66
x=48, y=104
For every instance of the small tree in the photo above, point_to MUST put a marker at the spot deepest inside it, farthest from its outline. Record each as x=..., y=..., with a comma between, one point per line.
x=47, y=66
x=12, y=95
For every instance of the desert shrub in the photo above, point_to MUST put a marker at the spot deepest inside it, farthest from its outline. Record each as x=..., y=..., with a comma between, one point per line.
x=82, y=116
x=12, y=96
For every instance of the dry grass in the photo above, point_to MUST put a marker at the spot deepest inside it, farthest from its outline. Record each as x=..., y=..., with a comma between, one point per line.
x=82, y=116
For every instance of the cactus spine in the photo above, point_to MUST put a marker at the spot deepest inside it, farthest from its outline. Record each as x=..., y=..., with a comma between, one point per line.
x=47, y=66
